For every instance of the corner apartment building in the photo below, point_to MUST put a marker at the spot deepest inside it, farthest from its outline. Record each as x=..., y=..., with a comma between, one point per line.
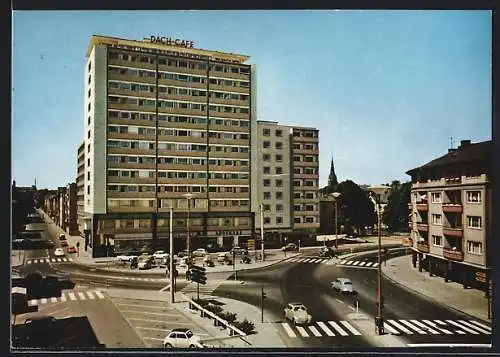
x=166, y=125
x=451, y=214
x=285, y=180
x=80, y=187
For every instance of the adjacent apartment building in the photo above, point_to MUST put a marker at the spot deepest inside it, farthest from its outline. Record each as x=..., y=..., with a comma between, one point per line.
x=80, y=187
x=167, y=125
x=285, y=181
x=451, y=214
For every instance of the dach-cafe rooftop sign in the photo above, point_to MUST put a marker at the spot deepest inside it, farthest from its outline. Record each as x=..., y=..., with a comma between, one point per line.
x=169, y=41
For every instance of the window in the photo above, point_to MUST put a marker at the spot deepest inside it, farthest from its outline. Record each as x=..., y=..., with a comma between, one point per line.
x=266, y=208
x=279, y=220
x=279, y=133
x=279, y=170
x=309, y=219
x=436, y=219
x=474, y=247
x=279, y=145
x=266, y=157
x=474, y=221
x=88, y=189
x=266, y=145
x=473, y=196
x=266, y=132
x=267, y=220
x=267, y=195
x=436, y=197
x=279, y=158
x=296, y=158
x=437, y=241
x=296, y=220
x=266, y=170
x=267, y=182
x=279, y=183
x=279, y=208
x=279, y=195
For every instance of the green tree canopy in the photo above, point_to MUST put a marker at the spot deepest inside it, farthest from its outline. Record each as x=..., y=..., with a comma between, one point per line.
x=396, y=212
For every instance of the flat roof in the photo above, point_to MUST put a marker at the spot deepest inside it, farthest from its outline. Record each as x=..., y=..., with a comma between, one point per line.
x=115, y=41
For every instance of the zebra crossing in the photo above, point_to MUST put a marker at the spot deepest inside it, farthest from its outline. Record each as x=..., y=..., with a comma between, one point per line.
x=327, y=261
x=69, y=296
x=396, y=327
x=204, y=289
x=49, y=260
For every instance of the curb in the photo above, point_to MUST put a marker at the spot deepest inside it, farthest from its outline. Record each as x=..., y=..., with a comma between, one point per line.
x=433, y=299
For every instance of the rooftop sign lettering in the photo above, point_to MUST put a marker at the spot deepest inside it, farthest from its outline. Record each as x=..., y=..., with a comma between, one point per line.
x=170, y=41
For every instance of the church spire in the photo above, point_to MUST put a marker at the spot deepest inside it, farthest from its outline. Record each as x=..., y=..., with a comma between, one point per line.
x=332, y=178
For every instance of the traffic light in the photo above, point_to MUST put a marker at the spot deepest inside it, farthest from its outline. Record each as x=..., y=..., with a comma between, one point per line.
x=198, y=274
x=38, y=286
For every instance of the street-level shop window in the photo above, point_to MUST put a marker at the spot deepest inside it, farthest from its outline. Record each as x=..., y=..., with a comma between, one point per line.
x=473, y=196
x=437, y=241
x=474, y=222
x=474, y=247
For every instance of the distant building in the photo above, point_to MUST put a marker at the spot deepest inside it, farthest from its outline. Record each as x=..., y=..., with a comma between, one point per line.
x=451, y=214
x=70, y=210
x=80, y=187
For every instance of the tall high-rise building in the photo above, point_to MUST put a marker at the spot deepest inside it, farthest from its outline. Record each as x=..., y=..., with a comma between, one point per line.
x=167, y=125
x=285, y=179
x=80, y=185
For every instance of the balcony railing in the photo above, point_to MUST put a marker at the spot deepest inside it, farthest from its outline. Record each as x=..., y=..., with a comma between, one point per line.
x=423, y=227
x=453, y=254
x=452, y=207
x=453, y=231
x=422, y=207
x=423, y=247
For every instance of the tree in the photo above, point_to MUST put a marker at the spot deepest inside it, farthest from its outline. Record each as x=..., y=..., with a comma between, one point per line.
x=396, y=212
x=355, y=208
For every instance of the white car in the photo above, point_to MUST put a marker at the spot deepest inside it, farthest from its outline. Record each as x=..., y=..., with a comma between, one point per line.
x=343, y=285
x=160, y=254
x=182, y=338
x=297, y=313
x=200, y=252
x=59, y=252
x=125, y=257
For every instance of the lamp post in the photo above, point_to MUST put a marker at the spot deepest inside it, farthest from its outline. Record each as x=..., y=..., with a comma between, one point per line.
x=262, y=231
x=189, y=196
x=335, y=196
x=379, y=320
x=171, y=262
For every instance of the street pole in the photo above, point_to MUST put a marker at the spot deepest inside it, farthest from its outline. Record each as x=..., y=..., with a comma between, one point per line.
x=379, y=321
x=262, y=230
x=336, y=230
x=262, y=304
x=172, y=271
x=188, y=238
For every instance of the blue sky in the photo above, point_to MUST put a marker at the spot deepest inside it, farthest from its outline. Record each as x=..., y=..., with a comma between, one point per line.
x=386, y=89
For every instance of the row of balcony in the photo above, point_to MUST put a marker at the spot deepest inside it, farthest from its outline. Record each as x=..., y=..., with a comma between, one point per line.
x=449, y=231
x=447, y=207
x=448, y=253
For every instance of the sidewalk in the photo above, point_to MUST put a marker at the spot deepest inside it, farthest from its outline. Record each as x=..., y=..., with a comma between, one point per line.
x=469, y=301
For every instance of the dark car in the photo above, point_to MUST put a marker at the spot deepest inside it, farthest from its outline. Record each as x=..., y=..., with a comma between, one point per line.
x=290, y=247
x=239, y=251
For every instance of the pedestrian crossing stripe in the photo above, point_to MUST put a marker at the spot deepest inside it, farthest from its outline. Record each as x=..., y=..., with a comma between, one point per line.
x=91, y=295
x=396, y=327
x=49, y=260
x=357, y=263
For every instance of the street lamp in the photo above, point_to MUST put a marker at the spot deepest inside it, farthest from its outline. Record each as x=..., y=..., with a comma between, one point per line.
x=189, y=196
x=379, y=320
x=335, y=196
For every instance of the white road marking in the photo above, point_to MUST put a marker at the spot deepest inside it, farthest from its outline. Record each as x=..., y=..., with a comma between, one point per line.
x=349, y=262
x=401, y=327
x=375, y=264
x=162, y=321
x=63, y=297
x=145, y=306
x=302, y=331
x=362, y=263
x=32, y=302
x=29, y=261
x=368, y=264
x=462, y=327
x=53, y=299
x=350, y=328
x=82, y=295
x=35, y=261
x=58, y=311
x=70, y=259
x=43, y=301
x=59, y=259
x=390, y=329
x=474, y=327
x=325, y=328
x=338, y=328
x=342, y=261
x=72, y=296
x=99, y=294
x=315, y=331
x=480, y=324
x=433, y=324
x=166, y=287
x=416, y=329
x=460, y=332
x=424, y=327
x=52, y=260
x=90, y=295
x=356, y=263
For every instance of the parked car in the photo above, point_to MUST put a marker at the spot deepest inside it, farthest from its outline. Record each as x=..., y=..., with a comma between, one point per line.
x=72, y=249
x=297, y=313
x=59, y=252
x=184, y=262
x=239, y=251
x=289, y=247
x=160, y=254
x=182, y=253
x=182, y=338
x=126, y=257
x=208, y=261
x=343, y=285
x=200, y=252
x=326, y=252
x=145, y=262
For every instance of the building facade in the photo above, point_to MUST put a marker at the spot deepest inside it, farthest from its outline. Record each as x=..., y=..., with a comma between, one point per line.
x=451, y=214
x=80, y=187
x=285, y=175
x=70, y=224
x=166, y=126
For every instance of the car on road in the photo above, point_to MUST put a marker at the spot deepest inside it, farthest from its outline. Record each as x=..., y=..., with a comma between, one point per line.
x=297, y=313
x=160, y=254
x=200, y=252
x=343, y=285
x=59, y=252
x=145, y=262
x=72, y=249
x=290, y=247
x=326, y=252
x=225, y=258
x=239, y=251
x=182, y=338
x=126, y=257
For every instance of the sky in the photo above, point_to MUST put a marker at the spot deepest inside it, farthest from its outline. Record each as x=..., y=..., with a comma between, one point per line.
x=386, y=89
